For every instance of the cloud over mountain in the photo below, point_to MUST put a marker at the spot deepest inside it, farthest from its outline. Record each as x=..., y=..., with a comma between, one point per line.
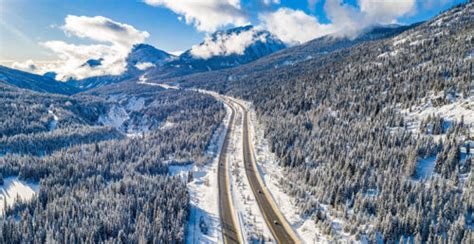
x=225, y=44
x=296, y=26
x=293, y=26
x=116, y=41
x=102, y=29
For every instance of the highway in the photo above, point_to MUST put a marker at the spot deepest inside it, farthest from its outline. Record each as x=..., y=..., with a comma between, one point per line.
x=281, y=230
x=276, y=222
x=230, y=232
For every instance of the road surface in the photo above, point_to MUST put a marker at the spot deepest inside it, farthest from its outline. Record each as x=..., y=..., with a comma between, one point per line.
x=281, y=230
x=230, y=232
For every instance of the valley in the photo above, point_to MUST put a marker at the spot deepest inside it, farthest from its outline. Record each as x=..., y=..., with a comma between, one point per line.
x=355, y=129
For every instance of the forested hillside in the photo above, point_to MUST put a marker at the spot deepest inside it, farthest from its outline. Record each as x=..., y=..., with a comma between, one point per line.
x=101, y=160
x=291, y=56
x=358, y=130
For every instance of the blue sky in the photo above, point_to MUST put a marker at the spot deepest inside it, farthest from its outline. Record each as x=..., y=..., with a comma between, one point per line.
x=176, y=25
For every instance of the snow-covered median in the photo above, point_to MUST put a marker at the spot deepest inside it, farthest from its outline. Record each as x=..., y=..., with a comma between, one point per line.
x=249, y=217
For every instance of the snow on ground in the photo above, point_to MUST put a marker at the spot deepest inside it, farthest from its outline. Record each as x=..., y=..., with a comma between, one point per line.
x=204, y=222
x=204, y=225
x=135, y=104
x=120, y=113
x=115, y=117
x=180, y=170
x=53, y=124
x=389, y=54
x=143, y=80
x=166, y=86
x=399, y=41
x=144, y=65
x=13, y=189
x=272, y=174
x=248, y=215
x=455, y=110
x=425, y=167
x=167, y=125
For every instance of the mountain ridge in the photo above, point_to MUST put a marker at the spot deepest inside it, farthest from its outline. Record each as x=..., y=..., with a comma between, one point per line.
x=34, y=82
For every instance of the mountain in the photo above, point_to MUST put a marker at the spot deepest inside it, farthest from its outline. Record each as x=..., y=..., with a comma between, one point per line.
x=34, y=82
x=381, y=125
x=93, y=62
x=144, y=53
x=141, y=57
x=293, y=55
x=221, y=50
x=261, y=43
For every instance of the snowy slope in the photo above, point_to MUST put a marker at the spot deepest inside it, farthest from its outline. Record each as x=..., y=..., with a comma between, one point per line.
x=142, y=57
x=144, y=53
x=222, y=50
x=34, y=82
x=13, y=189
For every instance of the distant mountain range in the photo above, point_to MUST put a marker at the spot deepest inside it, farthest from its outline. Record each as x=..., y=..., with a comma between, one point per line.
x=34, y=82
x=145, y=58
x=221, y=56
x=289, y=56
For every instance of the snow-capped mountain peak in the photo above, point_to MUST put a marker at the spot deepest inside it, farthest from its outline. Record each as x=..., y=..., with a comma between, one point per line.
x=145, y=53
x=231, y=47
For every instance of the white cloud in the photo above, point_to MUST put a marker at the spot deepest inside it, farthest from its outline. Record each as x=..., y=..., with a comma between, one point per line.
x=206, y=15
x=345, y=19
x=349, y=21
x=144, y=66
x=102, y=29
x=293, y=26
x=268, y=2
x=227, y=44
x=117, y=39
x=387, y=11
x=73, y=57
x=28, y=66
